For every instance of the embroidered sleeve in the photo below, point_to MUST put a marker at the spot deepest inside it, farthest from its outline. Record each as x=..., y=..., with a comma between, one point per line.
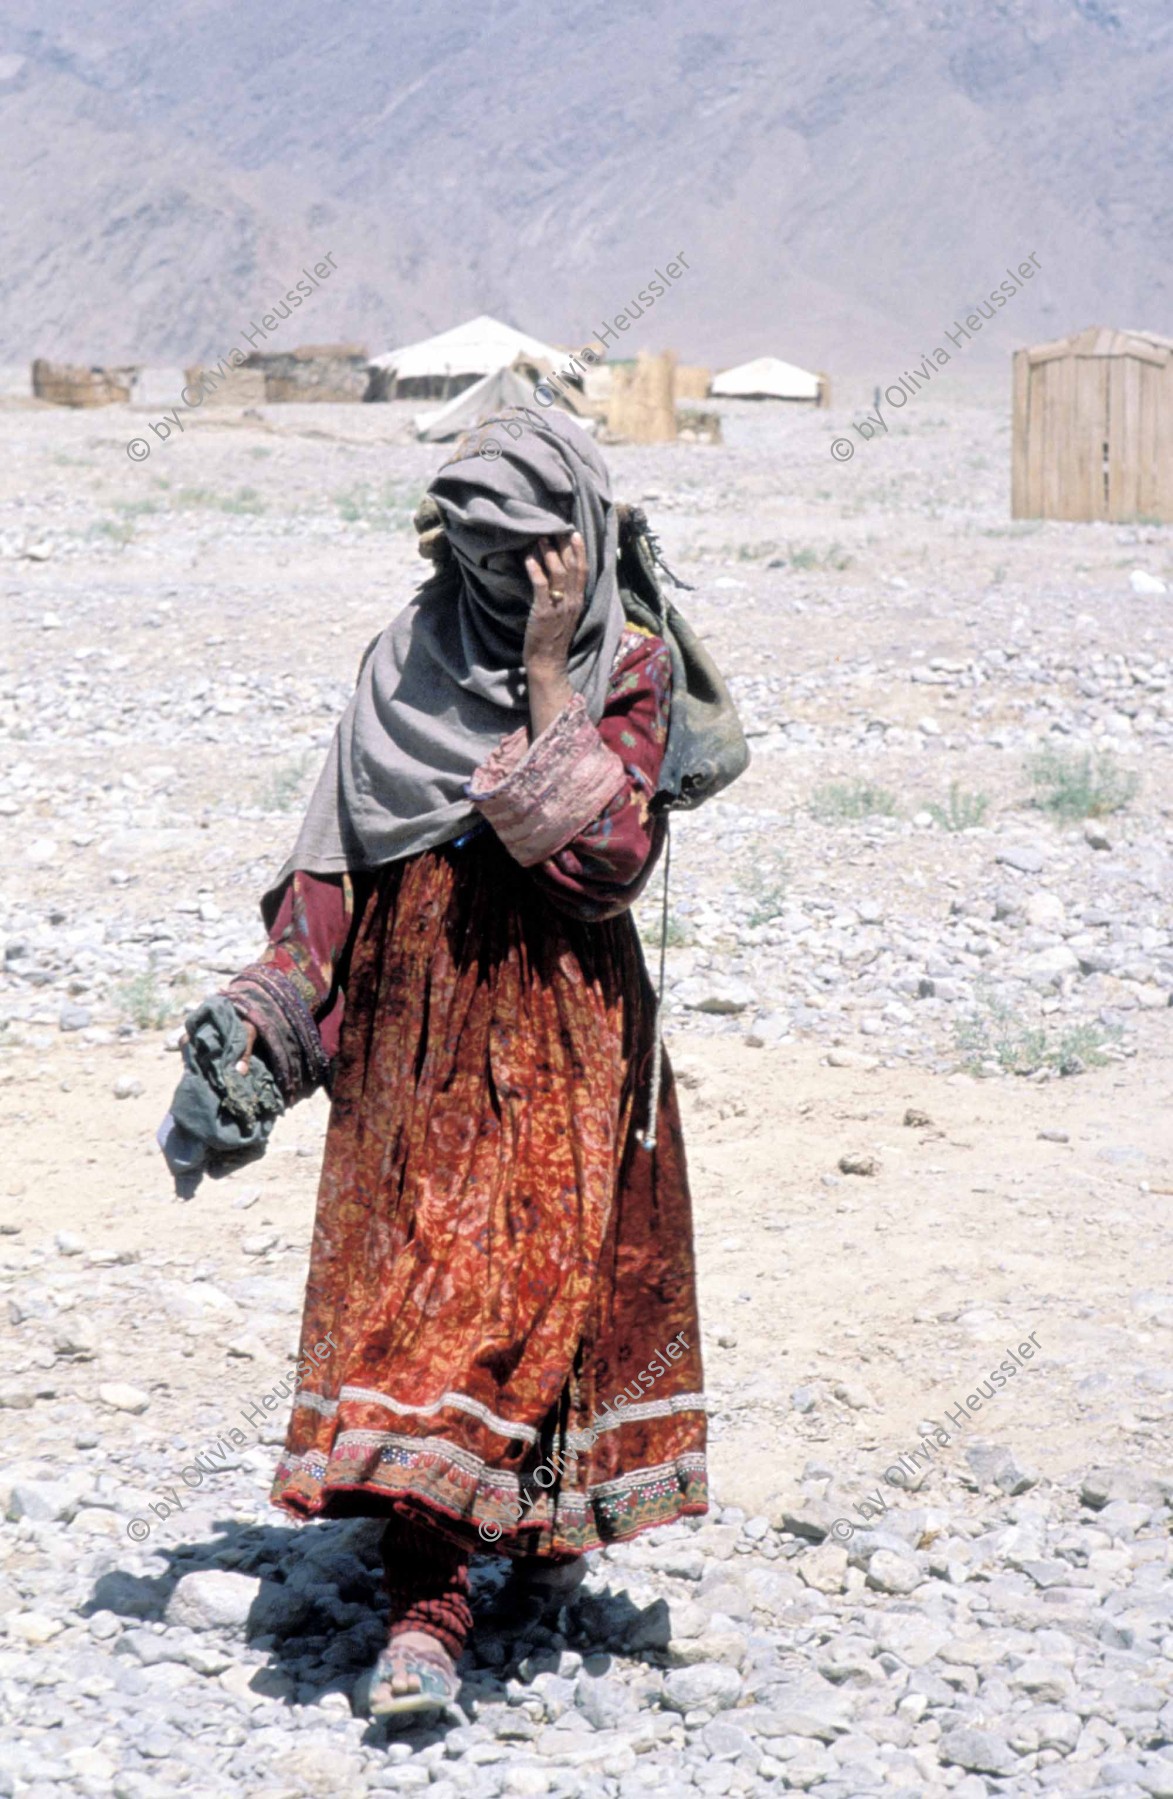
x=603, y=869
x=292, y=993
x=538, y=797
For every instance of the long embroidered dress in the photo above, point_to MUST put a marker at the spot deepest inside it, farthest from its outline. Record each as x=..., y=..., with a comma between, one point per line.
x=506, y=1270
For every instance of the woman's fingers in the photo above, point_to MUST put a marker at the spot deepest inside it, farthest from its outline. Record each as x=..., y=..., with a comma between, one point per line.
x=557, y=574
x=537, y=577
x=555, y=568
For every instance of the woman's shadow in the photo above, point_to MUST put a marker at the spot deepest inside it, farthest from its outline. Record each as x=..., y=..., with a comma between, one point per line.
x=310, y=1599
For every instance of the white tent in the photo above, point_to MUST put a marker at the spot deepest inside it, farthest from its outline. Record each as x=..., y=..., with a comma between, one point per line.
x=490, y=395
x=766, y=379
x=479, y=347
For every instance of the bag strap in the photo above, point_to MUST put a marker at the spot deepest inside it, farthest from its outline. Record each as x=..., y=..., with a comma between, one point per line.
x=648, y=1139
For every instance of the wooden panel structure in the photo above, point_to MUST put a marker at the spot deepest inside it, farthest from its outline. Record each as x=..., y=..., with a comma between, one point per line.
x=64, y=384
x=642, y=407
x=1092, y=430
x=692, y=383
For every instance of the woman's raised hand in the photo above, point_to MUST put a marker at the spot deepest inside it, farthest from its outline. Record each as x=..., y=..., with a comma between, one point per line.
x=558, y=574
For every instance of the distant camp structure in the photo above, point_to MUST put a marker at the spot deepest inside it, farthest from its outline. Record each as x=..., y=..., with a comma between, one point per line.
x=239, y=386
x=769, y=378
x=642, y=406
x=692, y=382
x=65, y=384
x=437, y=368
x=512, y=386
x=1093, y=427
x=313, y=372
x=636, y=403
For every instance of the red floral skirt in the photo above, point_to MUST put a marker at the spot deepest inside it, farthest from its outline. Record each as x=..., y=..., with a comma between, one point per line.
x=506, y=1271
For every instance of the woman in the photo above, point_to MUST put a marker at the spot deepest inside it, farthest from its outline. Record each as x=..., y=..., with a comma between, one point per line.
x=505, y=1267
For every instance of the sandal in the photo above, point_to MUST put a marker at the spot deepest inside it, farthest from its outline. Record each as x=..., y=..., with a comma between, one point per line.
x=408, y=1657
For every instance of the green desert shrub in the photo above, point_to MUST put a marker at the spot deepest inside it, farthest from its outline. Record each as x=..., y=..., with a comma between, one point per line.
x=840, y=802
x=962, y=811
x=992, y=1033
x=1074, y=784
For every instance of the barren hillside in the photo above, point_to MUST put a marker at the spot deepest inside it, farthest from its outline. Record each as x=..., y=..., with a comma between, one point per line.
x=843, y=179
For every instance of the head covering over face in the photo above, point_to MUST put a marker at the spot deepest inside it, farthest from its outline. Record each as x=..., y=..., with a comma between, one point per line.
x=444, y=682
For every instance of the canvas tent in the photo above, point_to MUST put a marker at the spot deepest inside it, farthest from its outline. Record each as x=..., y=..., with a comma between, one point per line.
x=768, y=378
x=512, y=386
x=439, y=367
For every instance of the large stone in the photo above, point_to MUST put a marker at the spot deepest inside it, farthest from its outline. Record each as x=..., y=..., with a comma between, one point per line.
x=214, y=1599
x=34, y=1628
x=604, y=1703
x=1027, y=858
x=722, y=994
x=123, y=1398
x=915, y=1639
x=979, y=1751
x=1044, y=1729
x=824, y=1568
x=807, y=1708
x=198, y=1299
x=1046, y=911
x=889, y=1572
x=707, y=1686
x=42, y=1501
x=76, y=1339
x=1049, y=966
x=711, y=1646
x=1157, y=1776
x=1044, y=1680
x=808, y=1518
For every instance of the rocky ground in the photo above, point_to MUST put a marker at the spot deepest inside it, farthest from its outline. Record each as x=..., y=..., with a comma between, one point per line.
x=917, y=1002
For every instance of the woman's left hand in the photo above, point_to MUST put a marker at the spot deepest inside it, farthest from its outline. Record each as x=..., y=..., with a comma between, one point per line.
x=558, y=576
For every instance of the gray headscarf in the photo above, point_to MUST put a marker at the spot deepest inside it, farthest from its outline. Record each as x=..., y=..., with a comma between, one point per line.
x=440, y=686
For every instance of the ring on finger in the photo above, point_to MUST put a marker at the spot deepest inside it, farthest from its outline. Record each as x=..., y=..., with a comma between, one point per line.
x=557, y=593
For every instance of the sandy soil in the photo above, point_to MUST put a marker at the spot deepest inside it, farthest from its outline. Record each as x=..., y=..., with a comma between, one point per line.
x=907, y=1285
x=172, y=675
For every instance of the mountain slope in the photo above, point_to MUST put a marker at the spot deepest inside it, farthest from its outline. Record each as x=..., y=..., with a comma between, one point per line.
x=843, y=184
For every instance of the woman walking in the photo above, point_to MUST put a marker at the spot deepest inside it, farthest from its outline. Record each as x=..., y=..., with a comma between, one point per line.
x=497, y=1254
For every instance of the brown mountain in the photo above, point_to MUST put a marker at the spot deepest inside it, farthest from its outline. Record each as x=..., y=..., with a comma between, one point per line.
x=844, y=180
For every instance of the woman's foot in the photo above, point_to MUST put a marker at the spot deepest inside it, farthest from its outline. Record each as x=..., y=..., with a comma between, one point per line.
x=414, y=1674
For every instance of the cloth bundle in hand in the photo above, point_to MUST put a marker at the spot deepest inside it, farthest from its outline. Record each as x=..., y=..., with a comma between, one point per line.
x=219, y=1118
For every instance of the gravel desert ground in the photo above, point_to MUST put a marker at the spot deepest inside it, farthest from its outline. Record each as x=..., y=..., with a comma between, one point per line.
x=919, y=978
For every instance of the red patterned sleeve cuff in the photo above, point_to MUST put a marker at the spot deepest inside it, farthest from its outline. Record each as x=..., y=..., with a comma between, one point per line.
x=537, y=798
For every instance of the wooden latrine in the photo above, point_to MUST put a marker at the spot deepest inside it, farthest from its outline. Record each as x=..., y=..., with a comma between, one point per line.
x=1093, y=427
